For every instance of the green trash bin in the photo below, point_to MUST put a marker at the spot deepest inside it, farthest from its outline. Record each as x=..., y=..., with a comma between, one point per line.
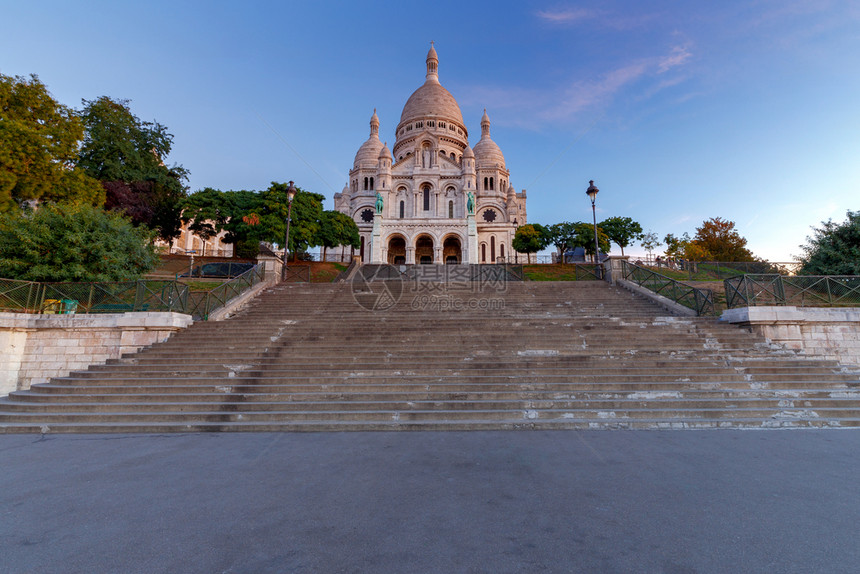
x=70, y=306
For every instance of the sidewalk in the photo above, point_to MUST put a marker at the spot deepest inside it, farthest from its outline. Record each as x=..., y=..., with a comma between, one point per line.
x=625, y=501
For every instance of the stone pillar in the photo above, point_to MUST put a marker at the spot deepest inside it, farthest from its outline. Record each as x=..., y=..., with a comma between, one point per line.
x=473, y=239
x=612, y=267
x=376, y=240
x=437, y=255
x=410, y=255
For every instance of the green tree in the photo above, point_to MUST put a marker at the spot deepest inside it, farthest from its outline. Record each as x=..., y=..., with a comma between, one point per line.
x=561, y=236
x=39, y=141
x=719, y=239
x=529, y=238
x=73, y=243
x=249, y=217
x=584, y=237
x=336, y=229
x=621, y=230
x=126, y=154
x=834, y=248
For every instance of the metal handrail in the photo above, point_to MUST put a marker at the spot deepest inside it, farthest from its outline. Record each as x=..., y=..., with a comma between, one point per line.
x=123, y=296
x=699, y=300
x=798, y=290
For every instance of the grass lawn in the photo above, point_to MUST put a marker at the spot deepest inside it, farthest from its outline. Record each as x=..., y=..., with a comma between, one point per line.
x=556, y=272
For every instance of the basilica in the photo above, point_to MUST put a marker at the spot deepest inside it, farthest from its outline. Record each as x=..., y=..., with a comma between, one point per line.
x=431, y=198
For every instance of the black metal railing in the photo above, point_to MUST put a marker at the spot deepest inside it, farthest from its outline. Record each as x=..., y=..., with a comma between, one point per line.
x=699, y=300
x=798, y=290
x=123, y=296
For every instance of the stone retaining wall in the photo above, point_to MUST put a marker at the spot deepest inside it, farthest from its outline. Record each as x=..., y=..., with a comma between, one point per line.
x=832, y=333
x=34, y=348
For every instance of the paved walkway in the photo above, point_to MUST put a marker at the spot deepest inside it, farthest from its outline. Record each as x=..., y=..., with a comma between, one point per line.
x=564, y=501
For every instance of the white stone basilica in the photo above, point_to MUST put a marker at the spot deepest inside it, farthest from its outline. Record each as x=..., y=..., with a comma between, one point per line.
x=434, y=199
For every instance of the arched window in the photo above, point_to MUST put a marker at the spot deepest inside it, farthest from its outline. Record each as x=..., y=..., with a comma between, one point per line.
x=483, y=252
x=371, y=183
x=426, y=198
x=502, y=250
x=365, y=184
x=486, y=183
x=492, y=249
x=453, y=157
x=450, y=210
x=491, y=182
x=402, y=209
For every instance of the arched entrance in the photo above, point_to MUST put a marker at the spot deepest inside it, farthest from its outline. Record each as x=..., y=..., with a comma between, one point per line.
x=424, y=249
x=451, y=250
x=396, y=250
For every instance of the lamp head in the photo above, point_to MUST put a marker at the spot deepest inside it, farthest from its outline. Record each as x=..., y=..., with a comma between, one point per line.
x=592, y=191
x=291, y=192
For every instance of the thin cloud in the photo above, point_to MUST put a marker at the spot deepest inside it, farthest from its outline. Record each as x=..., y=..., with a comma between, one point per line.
x=677, y=57
x=565, y=16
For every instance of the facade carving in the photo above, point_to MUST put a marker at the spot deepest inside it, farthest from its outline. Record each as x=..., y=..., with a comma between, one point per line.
x=412, y=203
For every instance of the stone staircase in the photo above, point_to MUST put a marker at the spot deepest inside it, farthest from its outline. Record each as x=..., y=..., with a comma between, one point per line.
x=515, y=355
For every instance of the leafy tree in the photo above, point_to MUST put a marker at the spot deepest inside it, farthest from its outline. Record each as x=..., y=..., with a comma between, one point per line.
x=685, y=248
x=621, y=230
x=561, y=235
x=73, y=243
x=337, y=228
x=125, y=154
x=249, y=217
x=584, y=237
x=650, y=241
x=39, y=141
x=719, y=239
x=834, y=248
x=530, y=238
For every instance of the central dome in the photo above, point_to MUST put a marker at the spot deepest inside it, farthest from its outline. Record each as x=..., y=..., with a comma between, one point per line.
x=431, y=100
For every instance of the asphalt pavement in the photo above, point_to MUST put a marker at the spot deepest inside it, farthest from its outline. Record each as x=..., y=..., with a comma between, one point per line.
x=548, y=501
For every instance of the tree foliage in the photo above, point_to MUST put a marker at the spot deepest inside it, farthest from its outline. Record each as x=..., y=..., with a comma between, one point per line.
x=720, y=241
x=562, y=236
x=622, y=231
x=125, y=154
x=834, y=248
x=336, y=229
x=250, y=217
x=530, y=238
x=584, y=237
x=73, y=243
x=39, y=140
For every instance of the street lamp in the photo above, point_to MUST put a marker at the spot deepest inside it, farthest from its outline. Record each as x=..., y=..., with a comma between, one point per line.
x=592, y=195
x=291, y=193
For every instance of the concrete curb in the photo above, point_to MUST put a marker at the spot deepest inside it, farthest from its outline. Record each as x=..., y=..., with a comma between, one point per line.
x=664, y=302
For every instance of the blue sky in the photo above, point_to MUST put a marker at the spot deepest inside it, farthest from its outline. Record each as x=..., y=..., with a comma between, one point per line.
x=680, y=111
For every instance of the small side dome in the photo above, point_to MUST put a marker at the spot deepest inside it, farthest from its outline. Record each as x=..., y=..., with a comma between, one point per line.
x=385, y=153
x=487, y=152
x=369, y=151
x=468, y=153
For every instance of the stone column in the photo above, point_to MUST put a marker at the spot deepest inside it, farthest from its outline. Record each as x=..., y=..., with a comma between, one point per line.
x=376, y=240
x=473, y=239
x=410, y=255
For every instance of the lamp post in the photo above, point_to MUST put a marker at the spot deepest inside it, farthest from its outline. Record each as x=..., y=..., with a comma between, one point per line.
x=592, y=195
x=291, y=193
